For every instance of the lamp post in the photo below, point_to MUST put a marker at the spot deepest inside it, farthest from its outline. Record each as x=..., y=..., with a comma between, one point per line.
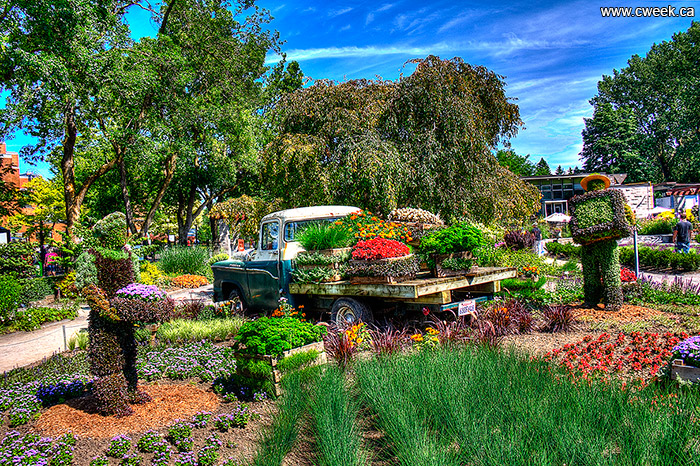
x=636, y=252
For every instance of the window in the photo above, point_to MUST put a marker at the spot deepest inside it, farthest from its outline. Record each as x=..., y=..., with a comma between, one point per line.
x=270, y=235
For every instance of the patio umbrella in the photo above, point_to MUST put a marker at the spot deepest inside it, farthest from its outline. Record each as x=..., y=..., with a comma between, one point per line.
x=558, y=217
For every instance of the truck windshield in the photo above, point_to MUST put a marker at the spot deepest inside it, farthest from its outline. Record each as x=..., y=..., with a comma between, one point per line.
x=292, y=229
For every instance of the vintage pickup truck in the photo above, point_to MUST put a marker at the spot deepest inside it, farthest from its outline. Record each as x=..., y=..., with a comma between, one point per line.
x=256, y=281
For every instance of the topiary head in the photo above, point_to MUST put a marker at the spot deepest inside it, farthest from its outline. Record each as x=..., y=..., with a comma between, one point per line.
x=596, y=185
x=111, y=231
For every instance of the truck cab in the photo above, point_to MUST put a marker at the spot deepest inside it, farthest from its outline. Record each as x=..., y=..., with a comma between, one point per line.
x=263, y=275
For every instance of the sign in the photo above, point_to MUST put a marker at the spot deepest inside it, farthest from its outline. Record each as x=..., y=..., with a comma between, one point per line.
x=241, y=245
x=466, y=307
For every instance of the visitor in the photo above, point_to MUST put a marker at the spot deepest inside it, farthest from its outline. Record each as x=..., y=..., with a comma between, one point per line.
x=537, y=233
x=681, y=234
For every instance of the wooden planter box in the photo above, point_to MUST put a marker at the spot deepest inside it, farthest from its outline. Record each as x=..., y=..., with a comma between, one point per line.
x=276, y=375
x=686, y=373
x=379, y=264
x=439, y=271
x=335, y=266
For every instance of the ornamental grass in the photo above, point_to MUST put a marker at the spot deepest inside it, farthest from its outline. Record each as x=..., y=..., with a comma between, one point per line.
x=183, y=330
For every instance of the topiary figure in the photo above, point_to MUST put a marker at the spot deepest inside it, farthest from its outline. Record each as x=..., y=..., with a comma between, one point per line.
x=116, y=304
x=598, y=220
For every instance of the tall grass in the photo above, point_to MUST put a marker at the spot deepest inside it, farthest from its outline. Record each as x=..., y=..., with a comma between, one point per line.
x=278, y=439
x=490, y=408
x=324, y=235
x=185, y=259
x=183, y=330
x=334, y=418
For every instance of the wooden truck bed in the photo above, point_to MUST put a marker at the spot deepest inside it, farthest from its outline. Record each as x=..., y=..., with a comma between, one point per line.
x=423, y=289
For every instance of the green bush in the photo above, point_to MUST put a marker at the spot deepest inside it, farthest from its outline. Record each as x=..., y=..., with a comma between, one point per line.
x=111, y=231
x=85, y=270
x=185, y=259
x=222, y=256
x=31, y=318
x=456, y=238
x=276, y=335
x=17, y=259
x=182, y=330
x=324, y=235
x=10, y=296
x=35, y=289
x=564, y=249
x=658, y=226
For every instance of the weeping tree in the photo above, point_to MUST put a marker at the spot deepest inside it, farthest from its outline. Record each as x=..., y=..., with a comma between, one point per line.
x=426, y=140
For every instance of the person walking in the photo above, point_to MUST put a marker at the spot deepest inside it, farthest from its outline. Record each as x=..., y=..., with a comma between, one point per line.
x=537, y=233
x=681, y=235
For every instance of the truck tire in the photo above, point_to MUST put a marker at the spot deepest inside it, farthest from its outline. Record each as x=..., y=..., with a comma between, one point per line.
x=237, y=306
x=350, y=311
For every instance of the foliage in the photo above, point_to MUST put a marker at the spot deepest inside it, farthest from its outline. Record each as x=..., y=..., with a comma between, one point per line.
x=222, y=256
x=17, y=259
x=655, y=258
x=456, y=238
x=312, y=275
x=111, y=231
x=119, y=446
x=136, y=309
x=152, y=275
x=689, y=351
x=243, y=214
x=200, y=360
x=335, y=413
x=276, y=335
x=35, y=289
x=31, y=318
x=85, y=270
x=659, y=226
x=10, y=295
x=518, y=239
x=518, y=164
x=324, y=235
x=183, y=330
x=411, y=214
x=558, y=318
x=380, y=144
x=340, y=346
x=405, y=266
x=488, y=255
x=32, y=449
x=317, y=258
x=78, y=340
x=189, y=281
x=542, y=168
x=184, y=259
x=563, y=249
x=515, y=284
x=601, y=274
x=648, y=290
x=363, y=225
x=379, y=248
x=296, y=361
x=456, y=263
x=634, y=130
x=598, y=215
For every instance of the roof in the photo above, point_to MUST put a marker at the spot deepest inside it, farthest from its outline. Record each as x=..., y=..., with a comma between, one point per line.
x=684, y=190
x=303, y=213
x=615, y=178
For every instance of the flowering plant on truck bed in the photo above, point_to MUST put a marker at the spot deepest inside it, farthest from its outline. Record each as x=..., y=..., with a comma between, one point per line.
x=379, y=248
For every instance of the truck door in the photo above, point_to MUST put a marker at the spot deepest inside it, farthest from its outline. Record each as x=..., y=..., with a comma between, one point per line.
x=264, y=270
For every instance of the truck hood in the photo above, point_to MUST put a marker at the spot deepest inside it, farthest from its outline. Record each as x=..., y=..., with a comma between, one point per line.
x=231, y=264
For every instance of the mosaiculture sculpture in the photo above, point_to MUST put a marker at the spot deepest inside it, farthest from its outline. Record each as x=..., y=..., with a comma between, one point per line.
x=106, y=274
x=598, y=220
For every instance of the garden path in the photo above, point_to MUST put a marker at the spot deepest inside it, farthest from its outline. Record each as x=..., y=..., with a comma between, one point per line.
x=20, y=349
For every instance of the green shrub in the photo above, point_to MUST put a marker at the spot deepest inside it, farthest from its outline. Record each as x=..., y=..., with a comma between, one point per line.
x=564, y=249
x=31, y=318
x=184, y=259
x=456, y=238
x=324, y=235
x=658, y=226
x=276, y=335
x=182, y=330
x=17, y=259
x=35, y=289
x=10, y=296
x=79, y=340
x=85, y=270
x=222, y=256
x=111, y=231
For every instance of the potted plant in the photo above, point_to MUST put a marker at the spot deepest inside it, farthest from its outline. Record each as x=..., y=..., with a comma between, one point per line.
x=380, y=260
x=419, y=222
x=448, y=252
x=327, y=247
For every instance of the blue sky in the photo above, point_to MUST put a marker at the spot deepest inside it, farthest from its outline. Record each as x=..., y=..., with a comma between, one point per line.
x=552, y=54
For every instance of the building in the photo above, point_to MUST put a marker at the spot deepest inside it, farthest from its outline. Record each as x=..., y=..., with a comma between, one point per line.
x=556, y=191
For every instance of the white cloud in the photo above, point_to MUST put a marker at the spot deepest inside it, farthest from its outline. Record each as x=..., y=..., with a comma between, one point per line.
x=371, y=51
x=344, y=28
x=342, y=11
x=369, y=18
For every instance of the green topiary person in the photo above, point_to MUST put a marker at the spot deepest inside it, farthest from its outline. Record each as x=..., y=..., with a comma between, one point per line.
x=598, y=220
x=106, y=272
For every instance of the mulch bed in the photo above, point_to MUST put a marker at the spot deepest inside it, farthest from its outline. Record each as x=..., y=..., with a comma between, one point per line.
x=170, y=403
x=628, y=313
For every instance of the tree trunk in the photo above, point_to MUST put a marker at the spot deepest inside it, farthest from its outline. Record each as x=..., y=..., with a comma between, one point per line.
x=127, y=197
x=170, y=166
x=68, y=172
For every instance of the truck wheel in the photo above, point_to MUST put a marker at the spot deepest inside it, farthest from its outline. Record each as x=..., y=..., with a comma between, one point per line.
x=350, y=311
x=237, y=308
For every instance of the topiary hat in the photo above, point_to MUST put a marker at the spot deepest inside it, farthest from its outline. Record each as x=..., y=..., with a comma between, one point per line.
x=595, y=176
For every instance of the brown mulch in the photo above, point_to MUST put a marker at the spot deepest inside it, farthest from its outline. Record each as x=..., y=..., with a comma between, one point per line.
x=628, y=313
x=170, y=403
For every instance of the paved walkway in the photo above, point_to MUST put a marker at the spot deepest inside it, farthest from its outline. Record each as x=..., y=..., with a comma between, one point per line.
x=23, y=348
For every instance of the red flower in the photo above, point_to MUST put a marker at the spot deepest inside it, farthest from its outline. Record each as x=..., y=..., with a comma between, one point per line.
x=379, y=248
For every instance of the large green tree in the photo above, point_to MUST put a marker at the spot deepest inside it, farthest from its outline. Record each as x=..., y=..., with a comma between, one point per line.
x=425, y=140
x=518, y=164
x=542, y=168
x=55, y=58
x=646, y=118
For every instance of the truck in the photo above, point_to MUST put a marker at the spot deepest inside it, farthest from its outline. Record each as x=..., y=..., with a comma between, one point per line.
x=255, y=280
